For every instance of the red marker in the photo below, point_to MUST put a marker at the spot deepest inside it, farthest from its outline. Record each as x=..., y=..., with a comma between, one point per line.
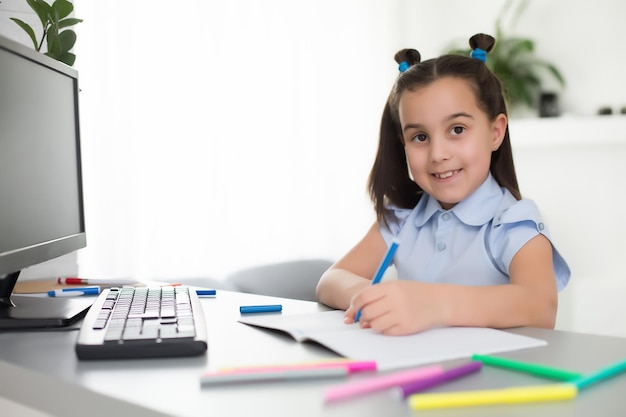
x=84, y=281
x=71, y=281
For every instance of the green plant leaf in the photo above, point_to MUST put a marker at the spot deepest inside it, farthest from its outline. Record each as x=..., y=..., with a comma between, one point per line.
x=42, y=9
x=510, y=48
x=518, y=91
x=28, y=30
x=540, y=63
x=64, y=8
x=69, y=22
x=54, y=43
x=557, y=74
x=65, y=57
x=67, y=38
x=59, y=45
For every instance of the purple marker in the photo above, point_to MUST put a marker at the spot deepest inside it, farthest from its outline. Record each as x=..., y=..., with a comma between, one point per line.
x=449, y=375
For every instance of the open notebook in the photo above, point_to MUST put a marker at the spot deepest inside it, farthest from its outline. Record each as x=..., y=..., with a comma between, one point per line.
x=390, y=352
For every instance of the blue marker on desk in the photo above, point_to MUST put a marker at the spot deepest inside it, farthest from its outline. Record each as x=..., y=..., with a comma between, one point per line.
x=74, y=292
x=206, y=293
x=382, y=268
x=271, y=308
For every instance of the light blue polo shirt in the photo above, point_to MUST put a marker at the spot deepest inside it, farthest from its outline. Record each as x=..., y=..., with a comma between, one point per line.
x=471, y=244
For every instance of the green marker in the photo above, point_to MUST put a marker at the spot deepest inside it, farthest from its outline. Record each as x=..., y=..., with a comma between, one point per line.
x=531, y=368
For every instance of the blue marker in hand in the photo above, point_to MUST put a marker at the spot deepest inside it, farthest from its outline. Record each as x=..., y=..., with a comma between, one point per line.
x=381, y=269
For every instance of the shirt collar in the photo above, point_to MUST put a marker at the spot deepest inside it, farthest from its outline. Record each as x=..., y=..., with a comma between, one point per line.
x=475, y=210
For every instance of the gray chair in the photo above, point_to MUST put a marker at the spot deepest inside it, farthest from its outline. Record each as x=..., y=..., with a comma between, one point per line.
x=292, y=279
x=205, y=282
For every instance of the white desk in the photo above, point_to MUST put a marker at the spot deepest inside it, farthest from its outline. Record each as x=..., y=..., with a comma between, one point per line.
x=42, y=372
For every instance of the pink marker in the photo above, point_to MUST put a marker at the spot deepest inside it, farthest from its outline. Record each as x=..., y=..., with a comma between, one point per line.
x=340, y=392
x=350, y=366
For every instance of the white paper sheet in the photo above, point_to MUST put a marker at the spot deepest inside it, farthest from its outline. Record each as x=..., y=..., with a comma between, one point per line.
x=391, y=352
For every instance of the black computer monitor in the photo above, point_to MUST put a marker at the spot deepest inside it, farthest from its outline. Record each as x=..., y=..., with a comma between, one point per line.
x=41, y=197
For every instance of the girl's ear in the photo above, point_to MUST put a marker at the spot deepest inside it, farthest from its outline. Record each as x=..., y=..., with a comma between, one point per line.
x=498, y=128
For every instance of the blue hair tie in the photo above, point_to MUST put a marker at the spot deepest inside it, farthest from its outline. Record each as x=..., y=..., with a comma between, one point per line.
x=479, y=54
x=403, y=66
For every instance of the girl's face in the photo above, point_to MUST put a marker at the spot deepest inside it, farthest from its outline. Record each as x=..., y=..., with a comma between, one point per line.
x=448, y=139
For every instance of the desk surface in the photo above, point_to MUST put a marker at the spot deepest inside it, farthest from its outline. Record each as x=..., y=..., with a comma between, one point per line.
x=43, y=366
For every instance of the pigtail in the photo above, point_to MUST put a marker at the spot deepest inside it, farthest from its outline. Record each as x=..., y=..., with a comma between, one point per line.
x=406, y=58
x=502, y=166
x=482, y=41
x=389, y=181
x=481, y=44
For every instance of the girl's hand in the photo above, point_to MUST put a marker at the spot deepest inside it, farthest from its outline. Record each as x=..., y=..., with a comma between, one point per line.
x=397, y=307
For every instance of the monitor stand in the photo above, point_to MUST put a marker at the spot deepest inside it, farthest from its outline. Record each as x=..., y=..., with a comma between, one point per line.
x=29, y=312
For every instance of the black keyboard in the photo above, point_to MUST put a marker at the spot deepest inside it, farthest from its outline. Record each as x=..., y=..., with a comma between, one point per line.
x=143, y=322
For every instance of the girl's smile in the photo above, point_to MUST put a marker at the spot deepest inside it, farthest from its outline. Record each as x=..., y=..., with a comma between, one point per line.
x=445, y=175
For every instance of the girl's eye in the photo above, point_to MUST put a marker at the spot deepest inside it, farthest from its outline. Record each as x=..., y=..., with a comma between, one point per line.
x=457, y=130
x=420, y=137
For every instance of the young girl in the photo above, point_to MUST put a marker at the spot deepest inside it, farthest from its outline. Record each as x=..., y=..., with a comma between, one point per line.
x=471, y=251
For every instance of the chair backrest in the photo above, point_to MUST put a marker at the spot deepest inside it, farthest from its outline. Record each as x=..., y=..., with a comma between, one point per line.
x=293, y=279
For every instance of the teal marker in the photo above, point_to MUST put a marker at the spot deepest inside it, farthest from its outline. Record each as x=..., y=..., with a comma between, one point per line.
x=599, y=376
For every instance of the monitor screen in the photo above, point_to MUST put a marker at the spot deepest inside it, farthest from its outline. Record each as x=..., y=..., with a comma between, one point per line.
x=41, y=201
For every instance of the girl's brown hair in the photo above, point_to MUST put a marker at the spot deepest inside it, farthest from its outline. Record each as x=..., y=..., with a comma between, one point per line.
x=389, y=182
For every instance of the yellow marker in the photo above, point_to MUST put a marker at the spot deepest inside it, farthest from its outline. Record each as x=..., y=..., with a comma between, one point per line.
x=539, y=393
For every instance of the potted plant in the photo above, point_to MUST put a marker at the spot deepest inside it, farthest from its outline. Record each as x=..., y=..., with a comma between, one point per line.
x=513, y=60
x=54, y=18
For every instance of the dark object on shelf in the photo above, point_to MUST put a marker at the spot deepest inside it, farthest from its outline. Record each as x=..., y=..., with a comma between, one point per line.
x=623, y=110
x=604, y=111
x=549, y=105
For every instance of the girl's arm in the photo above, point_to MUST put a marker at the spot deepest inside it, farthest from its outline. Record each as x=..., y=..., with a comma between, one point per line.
x=530, y=300
x=353, y=272
x=404, y=307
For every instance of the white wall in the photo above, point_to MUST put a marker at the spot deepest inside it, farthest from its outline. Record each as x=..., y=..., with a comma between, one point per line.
x=242, y=135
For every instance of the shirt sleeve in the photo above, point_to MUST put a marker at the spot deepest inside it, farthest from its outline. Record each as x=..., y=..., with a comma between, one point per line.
x=393, y=229
x=513, y=228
